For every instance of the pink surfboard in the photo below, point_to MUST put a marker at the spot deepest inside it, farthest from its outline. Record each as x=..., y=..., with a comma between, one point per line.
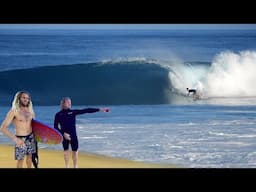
x=46, y=134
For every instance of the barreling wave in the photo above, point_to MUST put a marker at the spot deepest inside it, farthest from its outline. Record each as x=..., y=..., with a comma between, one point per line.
x=134, y=81
x=110, y=83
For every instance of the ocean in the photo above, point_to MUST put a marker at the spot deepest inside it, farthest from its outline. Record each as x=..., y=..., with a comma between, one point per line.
x=142, y=76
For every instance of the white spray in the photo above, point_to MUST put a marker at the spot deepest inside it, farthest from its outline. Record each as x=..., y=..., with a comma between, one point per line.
x=230, y=75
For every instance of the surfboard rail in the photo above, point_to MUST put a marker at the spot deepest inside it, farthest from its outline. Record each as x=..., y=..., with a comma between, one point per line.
x=46, y=134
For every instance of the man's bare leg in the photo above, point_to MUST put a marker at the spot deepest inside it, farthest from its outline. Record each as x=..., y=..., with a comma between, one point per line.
x=29, y=161
x=75, y=158
x=66, y=158
x=20, y=163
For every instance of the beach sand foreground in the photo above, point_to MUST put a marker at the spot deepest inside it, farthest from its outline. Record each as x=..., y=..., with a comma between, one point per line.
x=54, y=159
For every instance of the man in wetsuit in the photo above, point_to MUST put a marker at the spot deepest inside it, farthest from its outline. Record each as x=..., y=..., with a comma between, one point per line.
x=21, y=115
x=193, y=91
x=66, y=119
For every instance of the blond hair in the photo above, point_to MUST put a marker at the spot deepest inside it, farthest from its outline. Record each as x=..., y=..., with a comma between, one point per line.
x=16, y=101
x=63, y=101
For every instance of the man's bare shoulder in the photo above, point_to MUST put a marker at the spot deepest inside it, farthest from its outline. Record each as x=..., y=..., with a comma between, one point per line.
x=12, y=112
x=10, y=115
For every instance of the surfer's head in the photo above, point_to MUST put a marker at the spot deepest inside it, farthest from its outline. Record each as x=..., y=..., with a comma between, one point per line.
x=65, y=103
x=22, y=99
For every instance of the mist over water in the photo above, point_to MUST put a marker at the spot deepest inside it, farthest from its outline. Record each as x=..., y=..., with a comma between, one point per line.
x=229, y=75
x=232, y=75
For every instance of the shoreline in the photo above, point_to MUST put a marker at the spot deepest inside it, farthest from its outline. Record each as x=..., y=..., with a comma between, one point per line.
x=54, y=159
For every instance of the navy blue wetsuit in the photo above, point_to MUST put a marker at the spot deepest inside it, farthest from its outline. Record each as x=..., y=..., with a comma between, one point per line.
x=193, y=91
x=67, y=120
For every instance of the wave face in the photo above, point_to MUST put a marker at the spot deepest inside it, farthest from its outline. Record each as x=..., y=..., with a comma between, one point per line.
x=109, y=83
x=135, y=81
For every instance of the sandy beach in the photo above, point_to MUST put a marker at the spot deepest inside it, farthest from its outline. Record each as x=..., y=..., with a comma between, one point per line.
x=54, y=159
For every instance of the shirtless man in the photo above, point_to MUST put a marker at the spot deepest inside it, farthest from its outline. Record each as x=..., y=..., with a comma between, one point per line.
x=21, y=115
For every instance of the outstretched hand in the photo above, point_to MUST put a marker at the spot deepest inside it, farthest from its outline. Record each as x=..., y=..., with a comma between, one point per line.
x=105, y=109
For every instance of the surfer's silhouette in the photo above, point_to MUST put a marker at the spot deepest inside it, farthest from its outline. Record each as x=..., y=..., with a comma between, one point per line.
x=193, y=91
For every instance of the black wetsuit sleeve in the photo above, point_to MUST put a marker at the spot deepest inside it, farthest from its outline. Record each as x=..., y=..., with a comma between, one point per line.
x=87, y=110
x=56, y=124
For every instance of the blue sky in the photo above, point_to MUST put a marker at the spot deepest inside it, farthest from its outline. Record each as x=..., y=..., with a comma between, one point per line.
x=128, y=26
